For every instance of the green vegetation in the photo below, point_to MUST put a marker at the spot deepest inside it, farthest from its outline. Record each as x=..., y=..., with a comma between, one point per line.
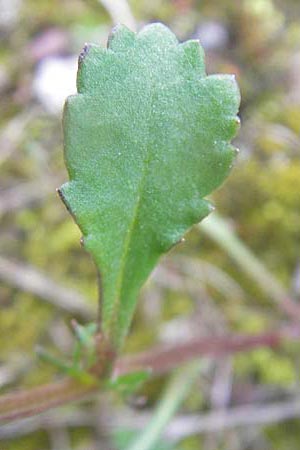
x=145, y=140
x=259, y=43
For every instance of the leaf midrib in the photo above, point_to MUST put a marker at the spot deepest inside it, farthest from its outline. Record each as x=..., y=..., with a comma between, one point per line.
x=114, y=318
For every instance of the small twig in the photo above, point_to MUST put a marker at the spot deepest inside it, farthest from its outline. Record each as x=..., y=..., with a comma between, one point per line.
x=47, y=421
x=11, y=372
x=215, y=421
x=11, y=135
x=32, y=401
x=163, y=359
x=205, y=273
x=31, y=280
x=25, y=194
x=221, y=389
x=181, y=426
x=232, y=418
x=36, y=400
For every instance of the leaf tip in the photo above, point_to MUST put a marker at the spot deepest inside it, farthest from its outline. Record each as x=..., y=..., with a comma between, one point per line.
x=193, y=54
x=158, y=32
x=120, y=38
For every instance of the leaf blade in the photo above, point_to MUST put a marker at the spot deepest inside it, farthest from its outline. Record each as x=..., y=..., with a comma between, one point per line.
x=146, y=138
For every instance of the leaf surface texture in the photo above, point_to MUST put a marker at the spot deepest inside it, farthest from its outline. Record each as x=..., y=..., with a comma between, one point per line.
x=146, y=138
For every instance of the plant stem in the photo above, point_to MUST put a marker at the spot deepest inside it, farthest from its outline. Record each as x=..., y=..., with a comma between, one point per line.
x=218, y=230
x=174, y=395
x=36, y=400
x=32, y=401
x=161, y=359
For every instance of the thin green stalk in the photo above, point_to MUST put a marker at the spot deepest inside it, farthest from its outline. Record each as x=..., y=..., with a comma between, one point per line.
x=175, y=393
x=218, y=230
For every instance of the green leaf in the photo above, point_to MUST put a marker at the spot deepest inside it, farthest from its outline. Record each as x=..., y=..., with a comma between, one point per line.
x=129, y=382
x=146, y=138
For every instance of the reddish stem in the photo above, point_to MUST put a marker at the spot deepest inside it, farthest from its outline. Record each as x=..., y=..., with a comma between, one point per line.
x=163, y=359
x=30, y=402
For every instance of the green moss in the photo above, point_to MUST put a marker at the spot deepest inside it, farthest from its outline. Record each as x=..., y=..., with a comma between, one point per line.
x=176, y=305
x=267, y=367
x=22, y=323
x=33, y=441
x=261, y=197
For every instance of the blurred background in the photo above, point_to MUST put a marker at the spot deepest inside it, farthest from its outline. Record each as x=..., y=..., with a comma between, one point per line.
x=235, y=273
